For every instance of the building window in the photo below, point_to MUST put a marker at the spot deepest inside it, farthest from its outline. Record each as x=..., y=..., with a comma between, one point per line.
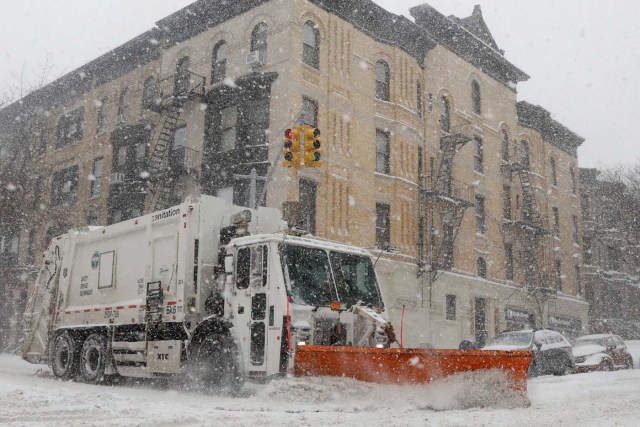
x=65, y=186
x=70, y=127
x=122, y=155
x=558, y=275
x=572, y=175
x=43, y=140
x=419, y=102
x=37, y=193
x=9, y=244
x=179, y=137
x=480, y=215
x=445, y=114
x=309, y=113
x=613, y=260
x=525, y=158
x=508, y=261
x=504, y=145
x=506, y=201
x=481, y=265
x=450, y=310
x=556, y=221
x=259, y=38
x=228, y=122
x=148, y=93
x=382, y=81
x=311, y=45
x=382, y=152
x=140, y=151
x=576, y=236
x=586, y=250
x=447, y=246
x=308, y=200
x=31, y=248
x=478, y=156
x=96, y=177
x=383, y=227
x=552, y=171
x=92, y=219
x=219, y=67
x=101, y=124
x=123, y=106
x=475, y=97
x=182, y=77
x=578, y=281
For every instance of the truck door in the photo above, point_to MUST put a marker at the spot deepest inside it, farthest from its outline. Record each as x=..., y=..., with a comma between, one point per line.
x=251, y=306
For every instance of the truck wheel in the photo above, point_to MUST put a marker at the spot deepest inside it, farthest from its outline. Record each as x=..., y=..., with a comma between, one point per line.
x=214, y=365
x=93, y=358
x=64, y=357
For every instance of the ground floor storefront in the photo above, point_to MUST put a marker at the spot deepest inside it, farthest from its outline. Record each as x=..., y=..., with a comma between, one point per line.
x=441, y=312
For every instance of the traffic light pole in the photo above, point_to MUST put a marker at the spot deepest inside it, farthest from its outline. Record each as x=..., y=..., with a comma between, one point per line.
x=268, y=179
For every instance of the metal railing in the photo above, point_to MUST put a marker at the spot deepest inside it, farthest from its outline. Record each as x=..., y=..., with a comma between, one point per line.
x=177, y=86
x=182, y=160
x=452, y=188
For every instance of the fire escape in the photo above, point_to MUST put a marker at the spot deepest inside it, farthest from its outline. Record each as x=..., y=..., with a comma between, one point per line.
x=169, y=163
x=444, y=201
x=528, y=234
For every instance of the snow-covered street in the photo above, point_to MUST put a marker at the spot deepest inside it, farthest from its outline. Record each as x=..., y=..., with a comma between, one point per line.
x=30, y=396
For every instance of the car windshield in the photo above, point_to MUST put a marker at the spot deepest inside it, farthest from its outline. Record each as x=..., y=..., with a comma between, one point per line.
x=590, y=341
x=317, y=277
x=520, y=339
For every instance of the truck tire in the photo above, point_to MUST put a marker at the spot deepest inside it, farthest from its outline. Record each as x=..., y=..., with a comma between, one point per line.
x=214, y=365
x=64, y=356
x=93, y=358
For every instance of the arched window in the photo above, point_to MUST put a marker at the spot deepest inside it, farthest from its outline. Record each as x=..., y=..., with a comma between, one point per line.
x=573, y=181
x=123, y=106
x=148, y=93
x=482, y=268
x=219, y=66
x=445, y=114
x=525, y=157
x=382, y=81
x=259, y=38
x=182, y=76
x=311, y=45
x=505, y=145
x=552, y=171
x=475, y=97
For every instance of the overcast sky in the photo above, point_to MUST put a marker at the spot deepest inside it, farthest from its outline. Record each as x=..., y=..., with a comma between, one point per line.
x=583, y=56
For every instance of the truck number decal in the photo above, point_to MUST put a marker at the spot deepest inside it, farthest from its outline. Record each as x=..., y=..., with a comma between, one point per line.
x=171, y=309
x=111, y=314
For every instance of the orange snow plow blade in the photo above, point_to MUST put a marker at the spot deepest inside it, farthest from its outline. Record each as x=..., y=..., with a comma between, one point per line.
x=408, y=366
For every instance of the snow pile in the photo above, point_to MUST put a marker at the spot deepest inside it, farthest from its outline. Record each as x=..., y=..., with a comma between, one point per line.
x=462, y=391
x=633, y=346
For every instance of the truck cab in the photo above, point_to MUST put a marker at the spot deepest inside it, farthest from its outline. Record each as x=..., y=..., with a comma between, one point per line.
x=282, y=291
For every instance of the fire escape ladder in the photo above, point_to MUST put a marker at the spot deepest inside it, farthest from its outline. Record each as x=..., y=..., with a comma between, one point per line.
x=531, y=213
x=162, y=189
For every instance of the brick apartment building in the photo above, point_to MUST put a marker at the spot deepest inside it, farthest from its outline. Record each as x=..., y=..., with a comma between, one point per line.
x=427, y=153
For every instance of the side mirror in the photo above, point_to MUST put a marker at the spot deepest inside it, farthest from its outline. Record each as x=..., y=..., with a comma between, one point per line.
x=538, y=344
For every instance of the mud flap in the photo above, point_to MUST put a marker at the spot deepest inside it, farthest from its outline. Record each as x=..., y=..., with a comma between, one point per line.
x=408, y=366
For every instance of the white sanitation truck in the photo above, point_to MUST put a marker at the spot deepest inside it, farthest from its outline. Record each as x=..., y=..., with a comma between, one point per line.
x=211, y=291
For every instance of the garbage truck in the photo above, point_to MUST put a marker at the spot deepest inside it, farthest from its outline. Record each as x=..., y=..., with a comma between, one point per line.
x=218, y=294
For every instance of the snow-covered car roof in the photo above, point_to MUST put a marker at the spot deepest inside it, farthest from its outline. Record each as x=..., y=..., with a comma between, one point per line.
x=595, y=337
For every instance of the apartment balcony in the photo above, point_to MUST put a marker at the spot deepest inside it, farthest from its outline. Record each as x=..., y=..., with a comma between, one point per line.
x=183, y=161
x=450, y=190
x=455, y=135
x=174, y=89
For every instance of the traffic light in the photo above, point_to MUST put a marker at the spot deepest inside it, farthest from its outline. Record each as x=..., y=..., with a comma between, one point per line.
x=312, y=147
x=291, y=149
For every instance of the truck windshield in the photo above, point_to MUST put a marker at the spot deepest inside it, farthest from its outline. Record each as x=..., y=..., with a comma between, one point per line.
x=307, y=272
x=310, y=274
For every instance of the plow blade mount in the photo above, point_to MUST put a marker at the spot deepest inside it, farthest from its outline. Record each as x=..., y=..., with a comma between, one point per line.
x=408, y=366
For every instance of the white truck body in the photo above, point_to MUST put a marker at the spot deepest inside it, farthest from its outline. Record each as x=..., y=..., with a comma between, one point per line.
x=152, y=287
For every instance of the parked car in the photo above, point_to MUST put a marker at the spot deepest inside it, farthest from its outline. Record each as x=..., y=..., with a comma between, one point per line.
x=551, y=351
x=603, y=352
